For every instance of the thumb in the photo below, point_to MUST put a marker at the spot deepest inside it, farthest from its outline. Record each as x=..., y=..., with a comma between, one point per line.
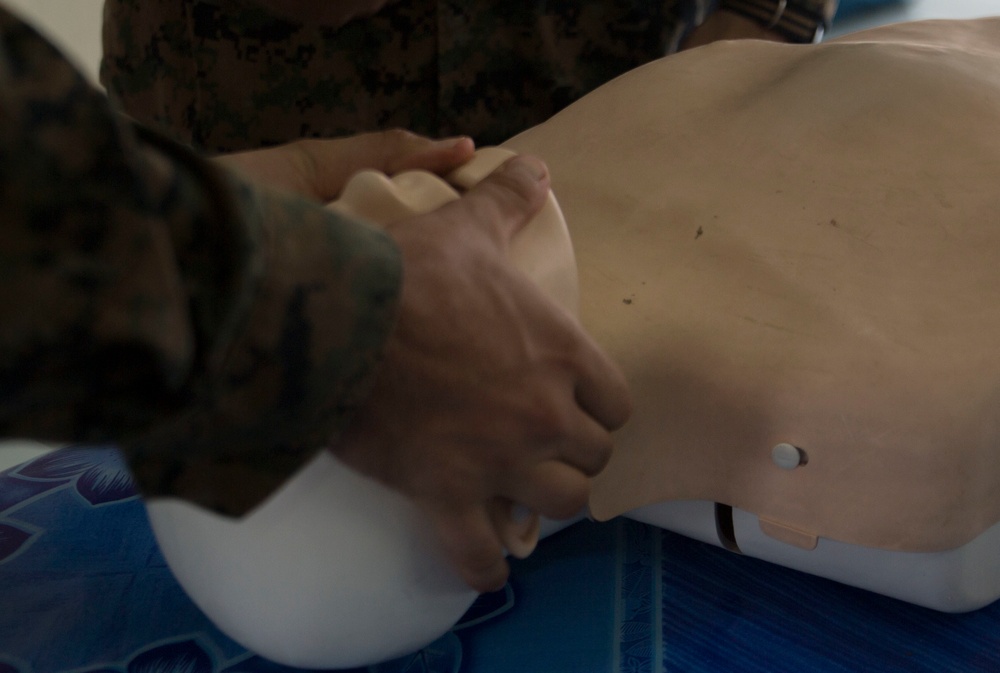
x=506, y=200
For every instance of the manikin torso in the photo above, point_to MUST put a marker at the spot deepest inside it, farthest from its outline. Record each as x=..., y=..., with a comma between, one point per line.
x=795, y=245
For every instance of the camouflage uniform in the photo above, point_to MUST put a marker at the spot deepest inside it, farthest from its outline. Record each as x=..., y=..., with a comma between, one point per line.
x=218, y=333
x=224, y=75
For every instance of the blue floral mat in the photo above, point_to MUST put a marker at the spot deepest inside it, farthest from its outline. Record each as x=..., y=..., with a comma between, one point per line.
x=83, y=589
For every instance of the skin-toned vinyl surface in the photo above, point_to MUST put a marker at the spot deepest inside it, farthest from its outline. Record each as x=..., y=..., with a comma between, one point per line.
x=800, y=245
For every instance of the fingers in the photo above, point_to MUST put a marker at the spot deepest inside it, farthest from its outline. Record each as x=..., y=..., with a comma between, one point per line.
x=559, y=429
x=470, y=541
x=475, y=538
x=403, y=151
x=599, y=386
x=558, y=487
x=516, y=525
x=331, y=163
x=552, y=488
x=502, y=204
x=319, y=169
x=505, y=201
x=601, y=389
x=590, y=449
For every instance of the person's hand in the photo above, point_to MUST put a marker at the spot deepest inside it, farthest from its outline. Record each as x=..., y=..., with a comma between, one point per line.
x=319, y=169
x=725, y=25
x=491, y=398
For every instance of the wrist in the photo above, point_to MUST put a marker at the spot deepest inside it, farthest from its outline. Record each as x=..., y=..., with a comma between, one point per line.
x=799, y=21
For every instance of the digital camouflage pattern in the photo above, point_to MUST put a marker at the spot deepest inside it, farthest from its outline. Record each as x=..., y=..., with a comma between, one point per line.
x=219, y=334
x=226, y=75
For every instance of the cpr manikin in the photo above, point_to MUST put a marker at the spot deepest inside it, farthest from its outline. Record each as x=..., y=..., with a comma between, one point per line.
x=794, y=254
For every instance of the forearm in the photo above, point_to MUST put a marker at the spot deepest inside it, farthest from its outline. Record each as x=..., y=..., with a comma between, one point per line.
x=286, y=364
x=219, y=334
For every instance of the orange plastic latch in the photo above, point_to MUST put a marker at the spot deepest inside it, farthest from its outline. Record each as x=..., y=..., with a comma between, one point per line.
x=788, y=535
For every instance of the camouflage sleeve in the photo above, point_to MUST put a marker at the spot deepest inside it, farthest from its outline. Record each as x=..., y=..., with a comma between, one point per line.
x=217, y=333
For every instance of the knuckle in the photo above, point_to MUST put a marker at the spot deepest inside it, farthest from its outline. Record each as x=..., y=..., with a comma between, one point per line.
x=624, y=406
x=549, y=418
x=571, y=500
x=599, y=456
x=513, y=191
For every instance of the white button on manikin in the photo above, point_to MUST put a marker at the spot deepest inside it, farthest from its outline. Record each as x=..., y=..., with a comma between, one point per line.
x=787, y=456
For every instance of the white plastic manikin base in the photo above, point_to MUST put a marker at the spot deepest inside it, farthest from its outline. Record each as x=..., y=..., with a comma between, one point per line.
x=956, y=580
x=333, y=571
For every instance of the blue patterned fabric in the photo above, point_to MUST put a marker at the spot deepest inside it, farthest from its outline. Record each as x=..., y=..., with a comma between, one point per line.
x=83, y=589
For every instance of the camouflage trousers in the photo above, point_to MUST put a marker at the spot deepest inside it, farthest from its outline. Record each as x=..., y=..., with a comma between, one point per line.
x=224, y=75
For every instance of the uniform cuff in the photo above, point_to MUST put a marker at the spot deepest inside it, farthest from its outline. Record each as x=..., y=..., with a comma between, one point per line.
x=287, y=349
